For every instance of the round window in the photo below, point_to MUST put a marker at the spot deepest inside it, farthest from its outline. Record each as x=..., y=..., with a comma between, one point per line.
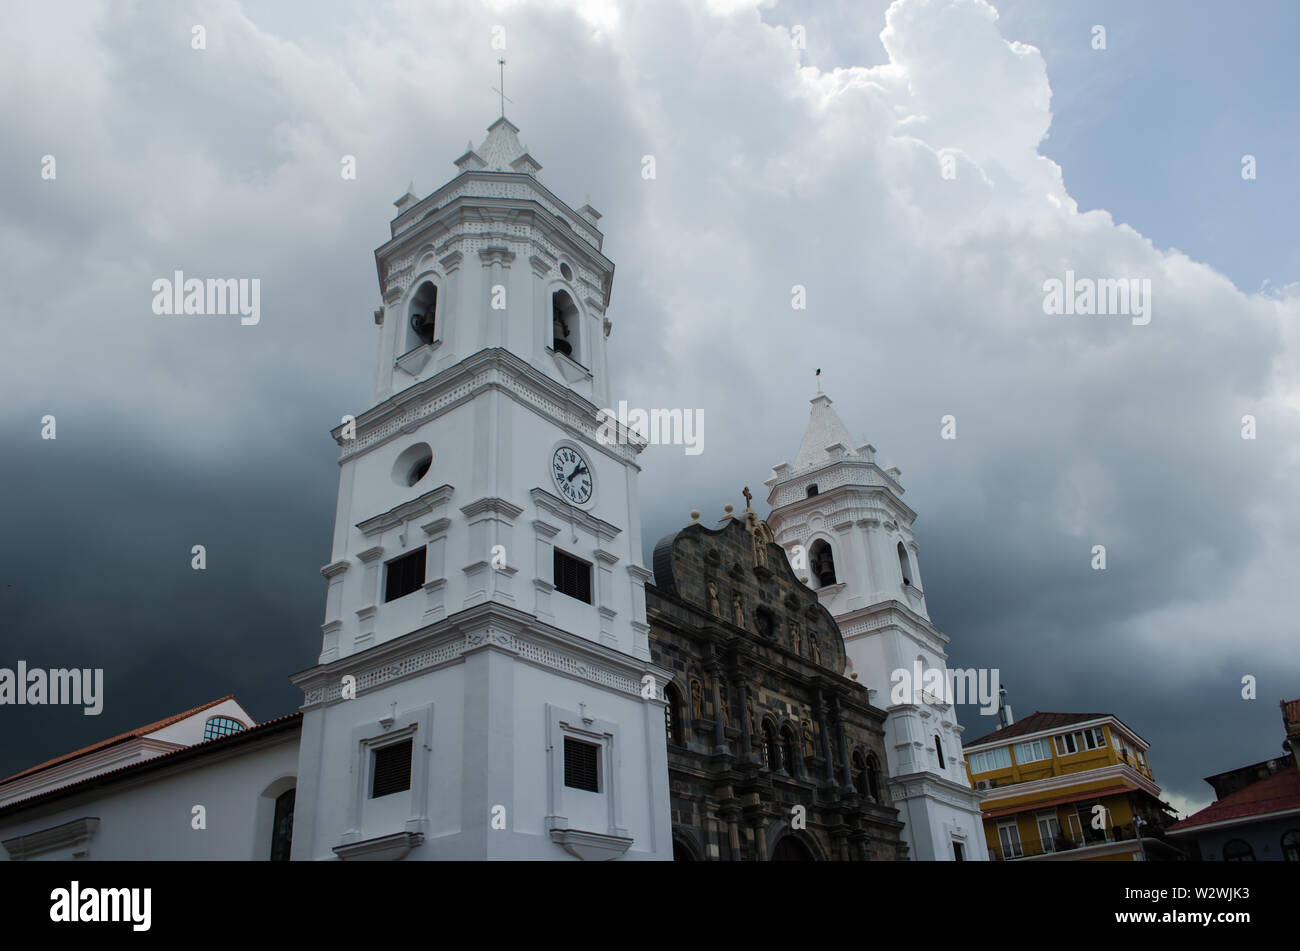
x=413, y=464
x=566, y=272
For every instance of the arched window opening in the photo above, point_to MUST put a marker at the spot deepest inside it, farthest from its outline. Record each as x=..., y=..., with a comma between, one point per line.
x=790, y=849
x=938, y=748
x=1238, y=850
x=812, y=490
x=564, y=324
x=873, y=777
x=771, y=759
x=823, y=563
x=421, y=321
x=787, y=750
x=282, y=827
x=1291, y=845
x=673, y=716
x=217, y=727
x=859, y=773
x=905, y=564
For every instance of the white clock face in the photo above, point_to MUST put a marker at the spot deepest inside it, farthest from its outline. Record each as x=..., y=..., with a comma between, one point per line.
x=572, y=474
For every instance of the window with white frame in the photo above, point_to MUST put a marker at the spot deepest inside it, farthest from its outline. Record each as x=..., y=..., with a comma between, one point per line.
x=999, y=758
x=1049, y=830
x=1009, y=838
x=1033, y=751
x=1080, y=741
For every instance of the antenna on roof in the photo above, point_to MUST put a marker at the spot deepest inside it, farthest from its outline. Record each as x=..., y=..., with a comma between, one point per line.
x=502, y=64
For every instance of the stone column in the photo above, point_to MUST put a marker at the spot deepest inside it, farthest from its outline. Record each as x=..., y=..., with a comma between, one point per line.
x=746, y=741
x=825, y=734
x=841, y=744
x=719, y=734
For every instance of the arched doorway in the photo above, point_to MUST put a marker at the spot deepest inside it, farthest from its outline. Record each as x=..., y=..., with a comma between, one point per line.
x=790, y=849
x=683, y=852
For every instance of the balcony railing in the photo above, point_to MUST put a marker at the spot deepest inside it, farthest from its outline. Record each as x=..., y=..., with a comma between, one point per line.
x=1063, y=843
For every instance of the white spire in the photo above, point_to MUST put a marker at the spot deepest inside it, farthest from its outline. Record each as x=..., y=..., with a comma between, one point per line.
x=500, y=152
x=825, y=429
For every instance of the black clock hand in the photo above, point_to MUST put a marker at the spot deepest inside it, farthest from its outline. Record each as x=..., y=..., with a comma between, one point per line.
x=581, y=468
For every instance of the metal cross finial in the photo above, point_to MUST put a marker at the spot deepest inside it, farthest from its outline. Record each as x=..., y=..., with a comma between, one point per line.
x=819, y=379
x=748, y=497
x=502, y=63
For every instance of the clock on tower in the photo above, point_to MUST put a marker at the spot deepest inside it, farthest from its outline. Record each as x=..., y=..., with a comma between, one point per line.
x=480, y=690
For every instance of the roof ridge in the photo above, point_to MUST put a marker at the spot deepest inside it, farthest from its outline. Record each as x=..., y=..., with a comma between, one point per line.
x=113, y=740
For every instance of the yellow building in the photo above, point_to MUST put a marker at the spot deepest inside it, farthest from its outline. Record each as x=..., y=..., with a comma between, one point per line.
x=1069, y=787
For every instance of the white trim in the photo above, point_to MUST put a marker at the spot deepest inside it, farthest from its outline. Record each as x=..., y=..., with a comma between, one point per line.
x=1107, y=720
x=1066, y=780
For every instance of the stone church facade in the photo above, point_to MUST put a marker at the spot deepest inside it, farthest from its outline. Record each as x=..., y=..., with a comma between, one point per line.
x=773, y=753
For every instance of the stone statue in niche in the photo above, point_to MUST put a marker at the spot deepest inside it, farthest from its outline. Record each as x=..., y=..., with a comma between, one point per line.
x=738, y=609
x=714, y=606
x=762, y=537
x=697, y=699
x=794, y=638
x=816, y=652
x=808, y=748
x=726, y=711
x=750, y=711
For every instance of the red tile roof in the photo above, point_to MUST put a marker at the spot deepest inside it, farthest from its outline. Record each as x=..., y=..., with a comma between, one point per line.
x=1035, y=723
x=1277, y=793
x=1291, y=711
x=120, y=738
x=265, y=728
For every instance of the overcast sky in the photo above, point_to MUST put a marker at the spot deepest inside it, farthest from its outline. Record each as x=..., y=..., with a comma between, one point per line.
x=775, y=166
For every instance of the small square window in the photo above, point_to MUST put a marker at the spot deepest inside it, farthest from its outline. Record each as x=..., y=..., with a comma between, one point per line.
x=391, y=769
x=405, y=575
x=580, y=765
x=572, y=576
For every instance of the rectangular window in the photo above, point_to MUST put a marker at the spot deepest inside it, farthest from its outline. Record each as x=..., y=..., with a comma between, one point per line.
x=572, y=576
x=1049, y=830
x=1066, y=744
x=1009, y=837
x=580, y=765
x=391, y=769
x=999, y=758
x=1033, y=751
x=404, y=575
x=958, y=853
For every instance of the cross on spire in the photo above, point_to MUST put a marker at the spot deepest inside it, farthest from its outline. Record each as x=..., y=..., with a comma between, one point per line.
x=502, y=90
x=748, y=498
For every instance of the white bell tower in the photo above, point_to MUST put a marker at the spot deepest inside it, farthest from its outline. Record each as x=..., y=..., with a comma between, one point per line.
x=484, y=687
x=843, y=523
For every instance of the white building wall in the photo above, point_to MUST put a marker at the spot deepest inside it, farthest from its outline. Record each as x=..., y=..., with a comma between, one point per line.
x=151, y=818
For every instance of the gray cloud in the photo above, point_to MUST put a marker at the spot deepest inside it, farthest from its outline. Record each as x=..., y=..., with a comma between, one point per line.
x=924, y=298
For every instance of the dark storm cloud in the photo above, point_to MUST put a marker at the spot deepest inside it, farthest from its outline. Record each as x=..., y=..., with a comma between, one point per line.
x=924, y=299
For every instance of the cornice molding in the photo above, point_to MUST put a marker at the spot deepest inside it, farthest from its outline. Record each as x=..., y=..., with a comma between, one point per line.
x=335, y=568
x=401, y=514
x=492, y=369
x=507, y=511
x=488, y=625
x=76, y=833
x=991, y=797
x=381, y=848
x=557, y=507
